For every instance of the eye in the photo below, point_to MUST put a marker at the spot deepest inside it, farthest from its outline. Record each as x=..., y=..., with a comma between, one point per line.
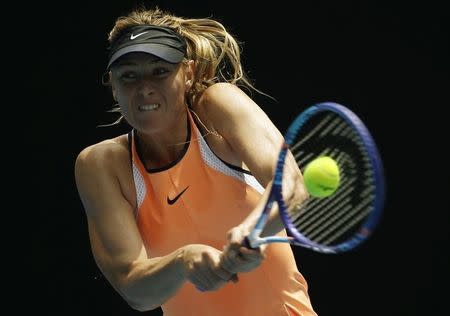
x=160, y=71
x=128, y=76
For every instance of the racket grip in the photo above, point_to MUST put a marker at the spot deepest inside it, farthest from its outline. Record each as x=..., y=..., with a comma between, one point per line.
x=246, y=243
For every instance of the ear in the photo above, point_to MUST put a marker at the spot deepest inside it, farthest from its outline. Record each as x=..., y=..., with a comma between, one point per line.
x=113, y=88
x=113, y=91
x=189, y=74
x=107, y=82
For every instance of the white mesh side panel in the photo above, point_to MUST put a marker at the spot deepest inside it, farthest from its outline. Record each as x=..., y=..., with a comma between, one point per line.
x=211, y=160
x=139, y=184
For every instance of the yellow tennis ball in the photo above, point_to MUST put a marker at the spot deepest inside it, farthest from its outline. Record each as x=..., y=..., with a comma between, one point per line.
x=321, y=177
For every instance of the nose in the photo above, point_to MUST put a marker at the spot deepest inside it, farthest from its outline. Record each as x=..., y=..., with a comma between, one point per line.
x=146, y=87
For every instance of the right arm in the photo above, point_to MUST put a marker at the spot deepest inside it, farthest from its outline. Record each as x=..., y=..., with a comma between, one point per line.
x=101, y=174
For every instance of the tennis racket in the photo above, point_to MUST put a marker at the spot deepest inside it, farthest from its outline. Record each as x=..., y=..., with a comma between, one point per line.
x=345, y=219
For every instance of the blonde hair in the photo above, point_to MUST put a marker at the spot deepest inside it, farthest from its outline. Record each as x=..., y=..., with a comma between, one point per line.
x=216, y=53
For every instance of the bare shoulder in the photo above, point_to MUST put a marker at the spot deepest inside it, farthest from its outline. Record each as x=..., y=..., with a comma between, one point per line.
x=223, y=105
x=223, y=96
x=223, y=102
x=103, y=172
x=222, y=87
x=105, y=160
x=103, y=154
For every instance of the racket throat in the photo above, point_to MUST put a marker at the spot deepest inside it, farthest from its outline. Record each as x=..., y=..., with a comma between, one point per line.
x=256, y=241
x=253, y=239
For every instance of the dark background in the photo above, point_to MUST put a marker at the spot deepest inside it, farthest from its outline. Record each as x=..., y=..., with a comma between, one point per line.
x=386, y=60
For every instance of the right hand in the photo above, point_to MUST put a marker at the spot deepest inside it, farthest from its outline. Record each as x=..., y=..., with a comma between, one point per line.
x=236, y=258
x=202, y=267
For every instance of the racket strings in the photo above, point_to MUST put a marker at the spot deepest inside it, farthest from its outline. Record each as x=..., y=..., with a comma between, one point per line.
x=338, y=222
x=338, y=217
x=343, y=226
x=336, y=127
x=316, y=207
x=312, y=133
x=324, y=213
x=328, y=222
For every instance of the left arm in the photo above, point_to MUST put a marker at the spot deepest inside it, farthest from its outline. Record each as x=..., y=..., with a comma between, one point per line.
x=256, y=141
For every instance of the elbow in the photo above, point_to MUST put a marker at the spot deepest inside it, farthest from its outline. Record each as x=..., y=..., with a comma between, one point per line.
x=140, y=307
x=297, y=200
x=297, y=194
x=294, y=189
x=138, y=303
x=301, y=194
x=134, y=299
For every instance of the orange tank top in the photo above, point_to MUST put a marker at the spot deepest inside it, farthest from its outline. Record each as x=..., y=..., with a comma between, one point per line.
x=198, y=199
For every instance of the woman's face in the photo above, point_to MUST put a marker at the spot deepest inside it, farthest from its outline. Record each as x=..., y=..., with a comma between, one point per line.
x=150, y=91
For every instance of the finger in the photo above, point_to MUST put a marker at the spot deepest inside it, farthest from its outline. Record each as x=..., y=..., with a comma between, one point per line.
x=225, y=270
x=208, y=280
x=198, y=283
x=225, y=274
x=235, y=238
x=228, y=263
x=241, y=255
x=222, y=273
x=231, y=250
x=212, y=271
x=256, y=252
x=249, y=255
x=202, y=274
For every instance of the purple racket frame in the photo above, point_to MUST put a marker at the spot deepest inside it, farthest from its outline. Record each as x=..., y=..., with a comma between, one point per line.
x=296, y=237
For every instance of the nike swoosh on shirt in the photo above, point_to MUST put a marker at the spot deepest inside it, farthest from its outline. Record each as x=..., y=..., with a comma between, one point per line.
x=172, y=201
x=134, y=36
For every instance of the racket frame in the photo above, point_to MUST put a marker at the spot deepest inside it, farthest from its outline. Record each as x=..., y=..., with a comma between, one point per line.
x=254, y=239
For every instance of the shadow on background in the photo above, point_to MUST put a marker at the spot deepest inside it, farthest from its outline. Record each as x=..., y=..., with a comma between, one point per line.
x=387, y=62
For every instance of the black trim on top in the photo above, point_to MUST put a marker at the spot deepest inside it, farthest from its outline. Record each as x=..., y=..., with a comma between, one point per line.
x=173, y=163
x=226, y=163
x=130, y=139
x=229, y=164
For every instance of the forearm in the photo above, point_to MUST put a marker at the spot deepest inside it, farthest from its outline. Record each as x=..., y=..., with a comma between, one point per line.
x=149, y=283
x=274, y=223
x=294, y=194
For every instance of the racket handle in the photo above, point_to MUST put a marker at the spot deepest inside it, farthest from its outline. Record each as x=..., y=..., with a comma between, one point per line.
x=246, y=243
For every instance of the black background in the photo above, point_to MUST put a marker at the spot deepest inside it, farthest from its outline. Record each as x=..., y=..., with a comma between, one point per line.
x=389, y=62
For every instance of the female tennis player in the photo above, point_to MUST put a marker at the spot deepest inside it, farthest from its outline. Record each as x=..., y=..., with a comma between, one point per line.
x=166, y=202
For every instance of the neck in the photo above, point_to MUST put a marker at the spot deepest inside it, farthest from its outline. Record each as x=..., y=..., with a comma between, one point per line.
x=159, y=149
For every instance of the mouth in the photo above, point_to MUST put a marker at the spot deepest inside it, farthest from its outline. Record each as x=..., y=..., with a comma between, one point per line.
x=148, y=107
